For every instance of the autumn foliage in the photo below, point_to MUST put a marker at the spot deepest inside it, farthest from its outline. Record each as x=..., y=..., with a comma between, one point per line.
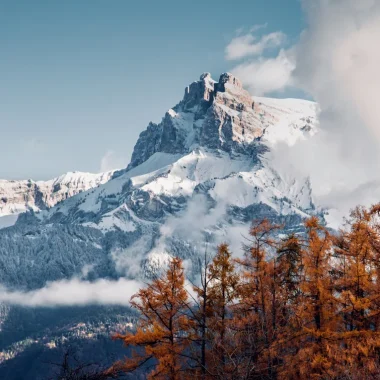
x=304, y=306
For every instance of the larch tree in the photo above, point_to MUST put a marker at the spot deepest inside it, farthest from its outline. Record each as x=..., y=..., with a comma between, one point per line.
x=201, y=313
x=305, y=306
x=162, y=332
x=357, y=248
x=222, y=295
x=257, y=311
x=313, y=324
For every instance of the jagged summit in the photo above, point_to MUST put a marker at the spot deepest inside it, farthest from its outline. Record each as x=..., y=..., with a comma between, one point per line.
x=211, y=114
x=216, y=115
x=203, y=92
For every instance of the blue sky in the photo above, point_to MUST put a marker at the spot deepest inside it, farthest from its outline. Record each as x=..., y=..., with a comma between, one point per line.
x=79, y=80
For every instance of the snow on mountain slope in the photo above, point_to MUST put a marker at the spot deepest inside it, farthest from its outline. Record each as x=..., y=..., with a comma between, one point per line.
x=286, y=120
x=190, y=124
x=207, y=160
x=19, y=196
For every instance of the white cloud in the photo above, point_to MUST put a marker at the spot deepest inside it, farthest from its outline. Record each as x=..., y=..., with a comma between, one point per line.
x=265, y=75
x=338, y=64
x=128, y=261
x=74, y=292
x=190, y=226
x=249, y=45
x=195, y=220
x=111, y=161
x=257, y=27
x=265, y=66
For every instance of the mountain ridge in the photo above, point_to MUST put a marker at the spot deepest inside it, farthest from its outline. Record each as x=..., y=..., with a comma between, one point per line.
x=17, y=196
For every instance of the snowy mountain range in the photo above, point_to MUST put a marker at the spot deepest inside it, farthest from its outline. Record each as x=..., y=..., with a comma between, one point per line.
x=197, y=178
x=17, y=197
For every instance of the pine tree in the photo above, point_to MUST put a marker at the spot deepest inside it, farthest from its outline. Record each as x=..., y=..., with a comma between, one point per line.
x=289, y=266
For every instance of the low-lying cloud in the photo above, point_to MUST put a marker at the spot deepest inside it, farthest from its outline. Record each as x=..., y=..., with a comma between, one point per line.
x=197, y=218
x=74, y=292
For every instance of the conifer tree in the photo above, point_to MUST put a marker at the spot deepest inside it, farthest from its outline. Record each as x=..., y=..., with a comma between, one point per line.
x=200, y=312
x=163, y=326
x=222, y=293
x=256, y=313
x=358, y=250
x=289, y=266
x=314, y=320
x=307, y=306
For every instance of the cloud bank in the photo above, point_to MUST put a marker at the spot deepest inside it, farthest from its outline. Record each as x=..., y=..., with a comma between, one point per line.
x=74, y=292
x=337, y=62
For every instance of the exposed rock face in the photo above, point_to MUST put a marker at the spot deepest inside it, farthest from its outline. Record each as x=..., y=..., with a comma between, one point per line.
x=215, y=114
x=147, y=144
x=238, y=99
x=200, y=94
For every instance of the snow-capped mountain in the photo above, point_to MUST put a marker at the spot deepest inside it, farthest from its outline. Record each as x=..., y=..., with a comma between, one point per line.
x=204, y=168
x=198, y=177
x=20, y=196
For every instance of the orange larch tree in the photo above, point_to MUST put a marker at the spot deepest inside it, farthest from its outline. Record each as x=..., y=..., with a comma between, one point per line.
x=256, y=314
x=314, y=321
x=307, y=306
x=357, y=250
x=163, y=327
x=222, y=293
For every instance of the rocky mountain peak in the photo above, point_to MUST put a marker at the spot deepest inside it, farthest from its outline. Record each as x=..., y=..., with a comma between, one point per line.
x=212, y=114
x=199, y=93
x=228, y=78
x=202, y=93
x=232, y=94
x=196, y=177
